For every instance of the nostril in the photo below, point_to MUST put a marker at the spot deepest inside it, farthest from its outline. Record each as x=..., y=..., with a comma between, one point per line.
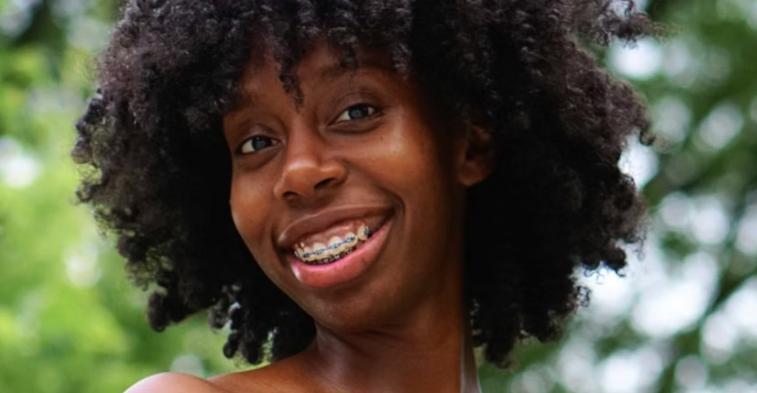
x=290, y=195
x=324, y=183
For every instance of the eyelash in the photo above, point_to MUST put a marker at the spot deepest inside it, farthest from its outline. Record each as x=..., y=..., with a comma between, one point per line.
x=372, y=110
x=248, y=146
x=244, y=149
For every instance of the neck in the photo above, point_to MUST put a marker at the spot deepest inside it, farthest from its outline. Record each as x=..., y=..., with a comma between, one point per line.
x=428, y=351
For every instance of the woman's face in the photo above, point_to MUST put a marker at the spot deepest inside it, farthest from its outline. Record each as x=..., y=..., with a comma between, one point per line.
x=350, y=202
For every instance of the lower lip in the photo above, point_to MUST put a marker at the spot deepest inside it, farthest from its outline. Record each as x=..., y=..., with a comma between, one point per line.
x=345, y=269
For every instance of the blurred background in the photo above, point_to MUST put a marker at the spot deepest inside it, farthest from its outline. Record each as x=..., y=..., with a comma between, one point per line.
x=682, y=319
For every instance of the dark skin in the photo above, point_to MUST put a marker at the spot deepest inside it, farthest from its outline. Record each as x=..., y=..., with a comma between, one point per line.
x=363, y=145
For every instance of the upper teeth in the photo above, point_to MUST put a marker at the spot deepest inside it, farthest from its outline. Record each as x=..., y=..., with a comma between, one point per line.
x=337, y=246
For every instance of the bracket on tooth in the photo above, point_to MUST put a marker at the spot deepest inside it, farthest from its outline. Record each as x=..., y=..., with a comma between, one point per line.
x=363, y=235
x=348, y=244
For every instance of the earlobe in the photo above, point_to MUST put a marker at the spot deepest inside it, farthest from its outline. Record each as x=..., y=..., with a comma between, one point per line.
x=475, y=156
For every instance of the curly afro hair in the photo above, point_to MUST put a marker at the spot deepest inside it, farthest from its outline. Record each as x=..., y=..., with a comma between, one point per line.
x=159, y=169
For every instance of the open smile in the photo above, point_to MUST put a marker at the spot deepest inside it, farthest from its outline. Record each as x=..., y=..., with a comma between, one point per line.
x=344, y=258
x=339, y=246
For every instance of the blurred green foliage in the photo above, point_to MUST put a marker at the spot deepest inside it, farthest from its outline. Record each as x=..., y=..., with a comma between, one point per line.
x=70, y=322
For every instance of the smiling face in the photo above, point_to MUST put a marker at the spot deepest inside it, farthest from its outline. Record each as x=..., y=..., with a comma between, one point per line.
x=351, y=202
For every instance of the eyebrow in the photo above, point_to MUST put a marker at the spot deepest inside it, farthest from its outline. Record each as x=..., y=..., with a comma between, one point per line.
x=336, y=70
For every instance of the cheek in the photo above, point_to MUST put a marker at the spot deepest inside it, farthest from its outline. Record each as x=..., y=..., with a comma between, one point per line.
x=248, y=210
x=414, y=160
x=422, y=171
x=251, y=213
x=405, y=151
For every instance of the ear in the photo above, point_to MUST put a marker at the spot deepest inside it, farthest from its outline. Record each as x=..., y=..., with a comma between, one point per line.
x=474, y=156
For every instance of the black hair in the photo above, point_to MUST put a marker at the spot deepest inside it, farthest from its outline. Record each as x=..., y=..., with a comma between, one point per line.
x=160, y=170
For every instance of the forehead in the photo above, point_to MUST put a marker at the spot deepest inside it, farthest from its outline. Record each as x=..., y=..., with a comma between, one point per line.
x=320, y=67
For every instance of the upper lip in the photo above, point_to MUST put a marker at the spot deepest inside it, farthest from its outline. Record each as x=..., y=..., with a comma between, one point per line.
x=325, y=219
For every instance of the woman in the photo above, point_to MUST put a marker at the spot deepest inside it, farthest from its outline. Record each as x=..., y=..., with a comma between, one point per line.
x=365, y=191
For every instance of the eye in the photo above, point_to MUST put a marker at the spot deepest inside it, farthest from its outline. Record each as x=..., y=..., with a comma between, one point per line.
x=356, y=112
x=257, y=143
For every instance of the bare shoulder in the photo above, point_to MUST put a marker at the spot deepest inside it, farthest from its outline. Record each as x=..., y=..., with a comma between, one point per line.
x=284, y=376
x=254, y=381
x=174, y=383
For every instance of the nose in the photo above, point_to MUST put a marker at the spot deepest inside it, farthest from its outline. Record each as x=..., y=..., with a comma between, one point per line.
x=310, y=168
